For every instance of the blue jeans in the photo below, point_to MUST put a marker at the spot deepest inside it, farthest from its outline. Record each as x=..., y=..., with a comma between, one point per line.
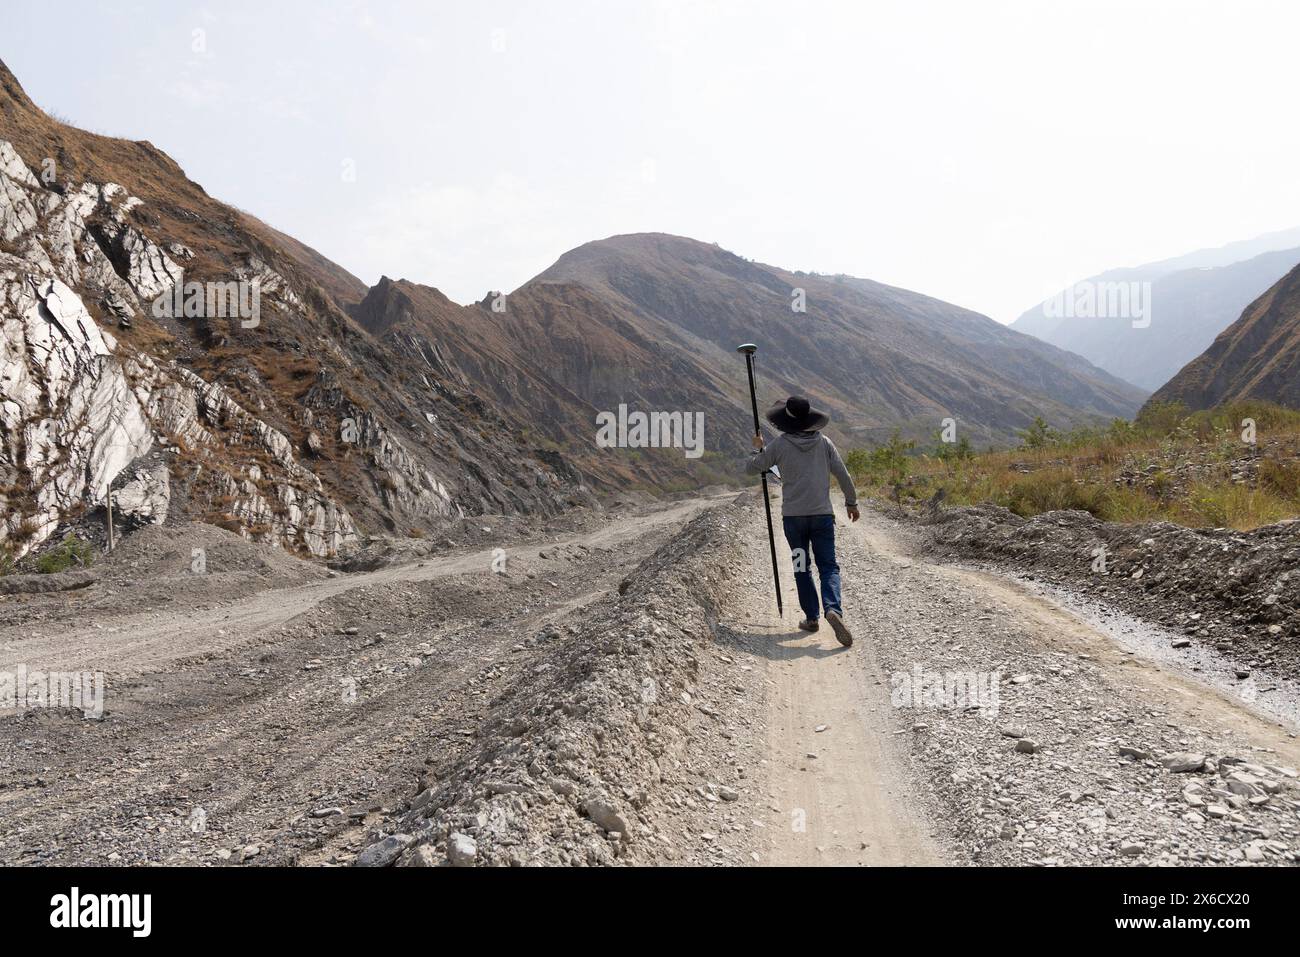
x=812, y=537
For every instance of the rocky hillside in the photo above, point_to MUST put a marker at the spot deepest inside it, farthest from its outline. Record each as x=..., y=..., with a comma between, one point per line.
x=556, y=356
x=1257, y=357
x=159, y=342
x=1191, y=300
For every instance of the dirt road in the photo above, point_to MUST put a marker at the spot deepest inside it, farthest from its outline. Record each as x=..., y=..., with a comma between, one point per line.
x=275, y=727
x=130, y=645
x=1061, y=766
x=974, y=721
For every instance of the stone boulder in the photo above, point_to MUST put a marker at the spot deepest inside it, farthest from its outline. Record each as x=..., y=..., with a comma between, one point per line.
x=144, y=500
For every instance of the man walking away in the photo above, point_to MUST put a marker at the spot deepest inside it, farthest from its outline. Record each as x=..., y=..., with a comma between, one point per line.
x=807, y=459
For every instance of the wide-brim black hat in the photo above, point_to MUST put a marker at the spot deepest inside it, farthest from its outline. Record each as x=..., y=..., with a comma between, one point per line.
x=796, y=414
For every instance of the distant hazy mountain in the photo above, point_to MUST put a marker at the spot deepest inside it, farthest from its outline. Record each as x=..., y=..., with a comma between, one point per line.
x=1257, y=357
x=1160, y=327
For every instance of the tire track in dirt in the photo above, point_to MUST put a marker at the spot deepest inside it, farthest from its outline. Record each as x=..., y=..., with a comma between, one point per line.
x=130, y=645
x=250, y=727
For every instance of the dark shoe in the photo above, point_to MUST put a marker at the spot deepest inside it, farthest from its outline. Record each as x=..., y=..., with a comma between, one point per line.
x=842, y=632
x=809, y=624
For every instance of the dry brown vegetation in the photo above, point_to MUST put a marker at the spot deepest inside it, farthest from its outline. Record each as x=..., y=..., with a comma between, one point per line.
x=1194, y=469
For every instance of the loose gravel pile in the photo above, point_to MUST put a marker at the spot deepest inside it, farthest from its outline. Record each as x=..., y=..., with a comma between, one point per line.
x=187, y=564
x=1039, y=742
x=584, y=759
x=1233, y=591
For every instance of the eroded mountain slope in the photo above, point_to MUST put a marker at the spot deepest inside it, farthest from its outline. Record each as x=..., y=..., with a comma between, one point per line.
x=286, y=422
x=1257, y=357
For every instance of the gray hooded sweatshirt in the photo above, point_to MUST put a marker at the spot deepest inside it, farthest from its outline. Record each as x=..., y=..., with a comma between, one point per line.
x=807, y=460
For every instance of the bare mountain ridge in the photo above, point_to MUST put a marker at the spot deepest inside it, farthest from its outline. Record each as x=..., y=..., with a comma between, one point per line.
x=1257, y=357
x=556, y=357
x=652, y=321
x=879, y=357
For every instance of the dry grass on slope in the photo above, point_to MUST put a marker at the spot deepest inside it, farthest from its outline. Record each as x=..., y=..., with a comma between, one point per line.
x=1192, y=469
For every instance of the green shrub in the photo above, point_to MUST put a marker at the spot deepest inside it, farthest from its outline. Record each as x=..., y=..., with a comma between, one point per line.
x=952, y=451
x=1039, y=435
x=889, y=463
x=1122, y=431
x=72, y=551
x=1160, y=418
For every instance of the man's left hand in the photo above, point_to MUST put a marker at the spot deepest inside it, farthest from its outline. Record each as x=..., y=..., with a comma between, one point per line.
x=854, y=514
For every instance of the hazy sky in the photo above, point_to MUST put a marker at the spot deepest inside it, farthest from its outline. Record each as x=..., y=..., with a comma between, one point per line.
x=983, y=152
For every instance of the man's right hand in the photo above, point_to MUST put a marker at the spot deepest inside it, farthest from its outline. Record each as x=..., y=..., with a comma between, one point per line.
x=758, y=443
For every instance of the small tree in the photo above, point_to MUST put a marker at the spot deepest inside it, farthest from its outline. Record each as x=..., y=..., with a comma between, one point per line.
x=951, y=451
x=888, y=463
x=1039, y=435
x=894, y=460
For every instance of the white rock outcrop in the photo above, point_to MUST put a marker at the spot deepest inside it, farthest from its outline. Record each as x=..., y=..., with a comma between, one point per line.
x=69, y=421
x=75, y=412
x=12, y=165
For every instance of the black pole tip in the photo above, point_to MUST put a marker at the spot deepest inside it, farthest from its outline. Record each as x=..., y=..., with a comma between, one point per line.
x=748, y=348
